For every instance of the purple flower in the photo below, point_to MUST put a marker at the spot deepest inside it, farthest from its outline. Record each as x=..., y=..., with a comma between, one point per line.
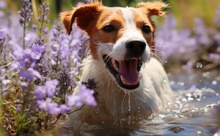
x=26, y=60
x=48, y=89
x=25, y=13
x=172, y=42
x=66, y=49
x=2, y=37
x=49, y=106
x=34, y=26
x=201, y=32
x=214, y=57
x=39, y=92
x=30, y=74
x=84, y=96
x=37, y=50
x=2, y=4
x=45, y=9
x=2, y=34
x=45, y=30
x=64, y=108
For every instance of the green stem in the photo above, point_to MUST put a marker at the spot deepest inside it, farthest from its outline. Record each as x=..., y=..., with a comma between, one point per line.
x=6, y=65
x=41, y=23
x=24, y=33
x=41, y=27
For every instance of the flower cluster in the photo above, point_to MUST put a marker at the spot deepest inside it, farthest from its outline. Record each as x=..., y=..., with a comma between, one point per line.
x=43, y=18
x=25, y=61
x=39, y=72
x=25, y=13
x=85, y=96
x=39, y=69
x=67, y=50
x=82, y=97
x=198, y=49
x=174, y=43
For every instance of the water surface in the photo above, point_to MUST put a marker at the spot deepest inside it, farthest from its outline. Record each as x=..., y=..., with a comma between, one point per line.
x=191, y=114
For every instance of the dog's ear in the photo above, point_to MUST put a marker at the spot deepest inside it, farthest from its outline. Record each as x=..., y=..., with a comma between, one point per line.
x=153, y=8
x=83, y=15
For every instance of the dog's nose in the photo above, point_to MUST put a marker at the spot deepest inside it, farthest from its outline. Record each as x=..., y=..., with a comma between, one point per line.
x=134, y=49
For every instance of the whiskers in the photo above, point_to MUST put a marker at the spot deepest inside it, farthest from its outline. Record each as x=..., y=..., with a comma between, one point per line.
x=154, y=54
x=108, y=57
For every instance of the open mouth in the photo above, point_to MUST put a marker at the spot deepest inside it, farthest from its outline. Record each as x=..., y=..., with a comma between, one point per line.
x=126, y=72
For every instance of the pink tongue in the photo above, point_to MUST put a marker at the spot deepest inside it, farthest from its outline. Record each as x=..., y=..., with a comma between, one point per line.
x=128, y=69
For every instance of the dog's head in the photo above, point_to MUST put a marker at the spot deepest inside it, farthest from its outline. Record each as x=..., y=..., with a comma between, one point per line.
x=122, y=38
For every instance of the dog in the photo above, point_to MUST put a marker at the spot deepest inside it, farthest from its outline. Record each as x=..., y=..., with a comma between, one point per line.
x=130, y=82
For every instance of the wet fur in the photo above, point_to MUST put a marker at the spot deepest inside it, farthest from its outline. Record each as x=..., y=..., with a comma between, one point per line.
x=113, y=102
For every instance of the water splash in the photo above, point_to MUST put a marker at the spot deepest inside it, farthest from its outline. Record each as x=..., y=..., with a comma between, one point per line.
x=129, y=108
x=122, y=105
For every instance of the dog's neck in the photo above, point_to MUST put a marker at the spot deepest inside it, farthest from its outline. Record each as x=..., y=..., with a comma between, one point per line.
x=111, y=98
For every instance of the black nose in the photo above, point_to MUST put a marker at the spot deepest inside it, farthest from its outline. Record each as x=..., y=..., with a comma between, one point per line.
x=134, y=49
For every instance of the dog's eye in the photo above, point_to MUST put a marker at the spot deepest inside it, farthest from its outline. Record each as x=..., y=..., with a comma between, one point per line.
x=146, y=29
x=108, y=28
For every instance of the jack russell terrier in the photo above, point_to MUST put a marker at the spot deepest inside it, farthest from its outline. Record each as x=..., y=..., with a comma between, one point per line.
x=130, y=82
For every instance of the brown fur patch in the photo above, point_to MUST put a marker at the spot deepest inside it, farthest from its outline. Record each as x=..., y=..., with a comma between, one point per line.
x=153, y=8
x=93, y=17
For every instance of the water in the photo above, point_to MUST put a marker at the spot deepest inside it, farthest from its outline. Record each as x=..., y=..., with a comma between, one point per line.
x=191, y=114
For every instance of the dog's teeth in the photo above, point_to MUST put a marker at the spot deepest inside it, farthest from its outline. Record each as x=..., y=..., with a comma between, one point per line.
x=123, y=80
x=112, y=61
x=114, y=64
x=134, y=58
x=138, y=80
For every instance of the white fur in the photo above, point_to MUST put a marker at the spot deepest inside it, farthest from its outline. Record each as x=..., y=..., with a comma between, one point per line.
x=130, y=33
x=114, y=103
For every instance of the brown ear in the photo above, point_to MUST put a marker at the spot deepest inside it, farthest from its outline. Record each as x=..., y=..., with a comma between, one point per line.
x=153, y=8
x=83, y=15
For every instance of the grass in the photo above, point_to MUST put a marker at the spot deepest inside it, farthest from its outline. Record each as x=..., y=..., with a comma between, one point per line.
x=186, y=10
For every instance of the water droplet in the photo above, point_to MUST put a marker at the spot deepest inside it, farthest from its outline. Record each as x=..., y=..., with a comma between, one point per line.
x=122, y=105
x=214, y=82
x=205, y=74
x=199, y=65
x=129, y=102
x=181, y=83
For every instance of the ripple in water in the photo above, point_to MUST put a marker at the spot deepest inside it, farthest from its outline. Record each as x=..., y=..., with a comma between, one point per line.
x=191, y=114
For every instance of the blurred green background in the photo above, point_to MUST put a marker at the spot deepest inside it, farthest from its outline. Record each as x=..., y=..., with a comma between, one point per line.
x=184, y=10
